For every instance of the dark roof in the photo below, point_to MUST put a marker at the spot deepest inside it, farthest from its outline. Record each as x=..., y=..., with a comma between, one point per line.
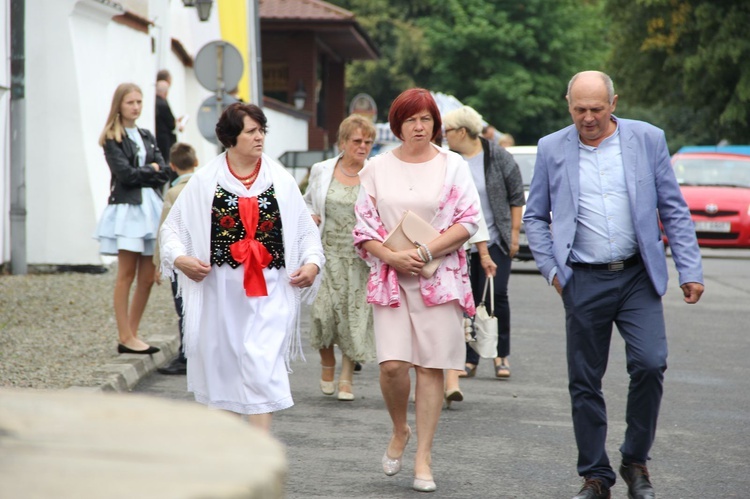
x=337, y=28
x=302, y=9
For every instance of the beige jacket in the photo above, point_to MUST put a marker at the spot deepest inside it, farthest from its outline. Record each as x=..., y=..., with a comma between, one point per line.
x=169, y=199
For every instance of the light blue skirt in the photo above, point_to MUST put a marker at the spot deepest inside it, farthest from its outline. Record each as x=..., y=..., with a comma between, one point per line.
x=130, y=227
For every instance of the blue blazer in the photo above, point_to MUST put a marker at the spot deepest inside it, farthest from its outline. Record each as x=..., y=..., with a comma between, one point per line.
x=653, y=191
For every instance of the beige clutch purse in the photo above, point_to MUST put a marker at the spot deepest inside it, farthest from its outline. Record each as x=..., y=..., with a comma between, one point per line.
x=410, y=229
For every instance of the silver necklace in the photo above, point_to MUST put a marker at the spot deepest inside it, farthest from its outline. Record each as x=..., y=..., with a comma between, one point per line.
x=408, y=175
x=341, y=169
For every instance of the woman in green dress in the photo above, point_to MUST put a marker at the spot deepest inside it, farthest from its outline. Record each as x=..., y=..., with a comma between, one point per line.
x=340, y=314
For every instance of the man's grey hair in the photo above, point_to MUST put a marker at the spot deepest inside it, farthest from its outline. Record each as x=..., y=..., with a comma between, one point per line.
x=605, y=78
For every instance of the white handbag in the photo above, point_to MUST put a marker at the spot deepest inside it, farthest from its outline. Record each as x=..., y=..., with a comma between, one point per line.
x=485, y=324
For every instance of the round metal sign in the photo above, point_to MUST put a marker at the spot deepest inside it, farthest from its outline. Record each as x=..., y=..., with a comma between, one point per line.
x=218, y=65
x=364, y=105
x=208, y=115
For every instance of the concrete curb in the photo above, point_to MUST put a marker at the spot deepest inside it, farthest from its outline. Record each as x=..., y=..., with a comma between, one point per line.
x=124, y=372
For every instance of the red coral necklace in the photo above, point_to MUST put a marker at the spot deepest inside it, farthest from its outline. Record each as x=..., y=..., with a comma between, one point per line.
x=248, y=180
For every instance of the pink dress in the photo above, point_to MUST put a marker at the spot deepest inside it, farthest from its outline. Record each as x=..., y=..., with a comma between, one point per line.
x=432, y=336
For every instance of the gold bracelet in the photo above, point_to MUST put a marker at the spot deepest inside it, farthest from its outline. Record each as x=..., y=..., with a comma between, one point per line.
x=485, y=256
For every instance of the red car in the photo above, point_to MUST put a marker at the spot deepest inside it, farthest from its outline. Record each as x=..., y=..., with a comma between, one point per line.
x=715, y=182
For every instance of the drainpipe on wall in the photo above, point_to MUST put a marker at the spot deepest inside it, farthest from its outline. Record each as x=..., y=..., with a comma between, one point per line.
x=255, y=61
x=17, y=139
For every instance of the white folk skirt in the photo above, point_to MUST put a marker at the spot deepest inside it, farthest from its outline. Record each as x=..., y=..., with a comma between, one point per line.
x=238, y=363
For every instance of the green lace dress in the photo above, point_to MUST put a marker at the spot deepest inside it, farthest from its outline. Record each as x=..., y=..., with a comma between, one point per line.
x=340, y=314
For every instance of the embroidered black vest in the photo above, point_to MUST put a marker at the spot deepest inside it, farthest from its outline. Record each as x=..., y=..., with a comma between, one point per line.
x=227, y=228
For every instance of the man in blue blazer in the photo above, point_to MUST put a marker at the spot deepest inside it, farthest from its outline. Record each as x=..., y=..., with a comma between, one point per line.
x=599, y=189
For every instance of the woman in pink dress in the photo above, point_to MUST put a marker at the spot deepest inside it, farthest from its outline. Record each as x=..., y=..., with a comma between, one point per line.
x=417, y=320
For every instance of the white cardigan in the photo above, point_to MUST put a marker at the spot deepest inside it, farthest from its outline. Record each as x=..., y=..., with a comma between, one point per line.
x=317, y=188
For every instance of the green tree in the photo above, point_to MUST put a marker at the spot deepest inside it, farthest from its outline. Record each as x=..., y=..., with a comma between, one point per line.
x=509, y=59
x=687, y=59
x=401, y=45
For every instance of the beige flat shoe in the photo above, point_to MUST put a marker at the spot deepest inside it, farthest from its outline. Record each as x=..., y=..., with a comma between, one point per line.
x=327, y=387
x=345, y=396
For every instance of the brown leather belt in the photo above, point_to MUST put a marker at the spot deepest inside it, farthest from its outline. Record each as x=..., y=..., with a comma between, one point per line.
x=611, y=266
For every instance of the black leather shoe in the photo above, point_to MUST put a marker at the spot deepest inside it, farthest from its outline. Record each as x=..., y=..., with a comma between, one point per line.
x=174, y=367
x=593, y=488
x=123, y=349
x=639, y=483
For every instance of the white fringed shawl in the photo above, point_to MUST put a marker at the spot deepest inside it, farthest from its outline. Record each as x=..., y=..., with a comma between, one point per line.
x=187, y=231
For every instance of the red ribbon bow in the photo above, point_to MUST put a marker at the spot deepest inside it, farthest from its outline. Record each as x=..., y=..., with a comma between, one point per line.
x=249, y=251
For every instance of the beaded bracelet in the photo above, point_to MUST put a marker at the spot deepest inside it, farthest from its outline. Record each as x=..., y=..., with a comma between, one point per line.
x=429, y=254
x=424, y=246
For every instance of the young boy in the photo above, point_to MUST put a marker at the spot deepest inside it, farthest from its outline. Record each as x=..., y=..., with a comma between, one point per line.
x=182, y=161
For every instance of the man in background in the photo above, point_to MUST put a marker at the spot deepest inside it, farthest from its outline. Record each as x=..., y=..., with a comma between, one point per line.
x=165, y=120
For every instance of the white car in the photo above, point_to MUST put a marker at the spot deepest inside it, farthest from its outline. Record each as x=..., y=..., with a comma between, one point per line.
x=525, y=156
x=383, y=147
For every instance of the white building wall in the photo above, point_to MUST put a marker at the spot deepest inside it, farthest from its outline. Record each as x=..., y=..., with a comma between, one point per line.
x=186, y=94
x=75, y=58
x=79, y=57
x=285, y=133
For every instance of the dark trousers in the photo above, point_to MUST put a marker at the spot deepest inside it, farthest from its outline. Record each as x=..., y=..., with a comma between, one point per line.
x=178, y=307
x=594, y=301
x=502, y=306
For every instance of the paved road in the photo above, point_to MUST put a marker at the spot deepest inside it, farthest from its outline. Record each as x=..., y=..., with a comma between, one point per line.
x=514, y=439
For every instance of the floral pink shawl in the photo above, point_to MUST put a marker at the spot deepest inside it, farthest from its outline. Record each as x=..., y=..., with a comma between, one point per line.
x=460, y=204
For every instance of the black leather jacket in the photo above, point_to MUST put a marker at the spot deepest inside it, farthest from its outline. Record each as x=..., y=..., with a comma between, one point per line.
x=127, y=175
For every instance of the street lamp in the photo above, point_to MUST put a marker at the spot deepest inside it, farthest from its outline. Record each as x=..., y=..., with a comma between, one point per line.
x=204, y=8
x=300, y=95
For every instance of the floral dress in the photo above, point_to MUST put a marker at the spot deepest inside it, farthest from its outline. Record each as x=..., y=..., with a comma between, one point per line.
x=340, y=313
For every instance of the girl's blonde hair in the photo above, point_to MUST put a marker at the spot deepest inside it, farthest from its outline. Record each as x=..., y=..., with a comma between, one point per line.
x=113, y=129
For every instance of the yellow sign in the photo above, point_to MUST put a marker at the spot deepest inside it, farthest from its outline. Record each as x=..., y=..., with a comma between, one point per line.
x=233, y=25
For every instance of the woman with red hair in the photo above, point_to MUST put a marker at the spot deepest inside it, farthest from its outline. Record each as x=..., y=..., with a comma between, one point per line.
x=417, y=320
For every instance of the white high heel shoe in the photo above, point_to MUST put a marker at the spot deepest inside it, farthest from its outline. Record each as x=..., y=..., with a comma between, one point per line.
x=393, y=466
x=422, y=485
